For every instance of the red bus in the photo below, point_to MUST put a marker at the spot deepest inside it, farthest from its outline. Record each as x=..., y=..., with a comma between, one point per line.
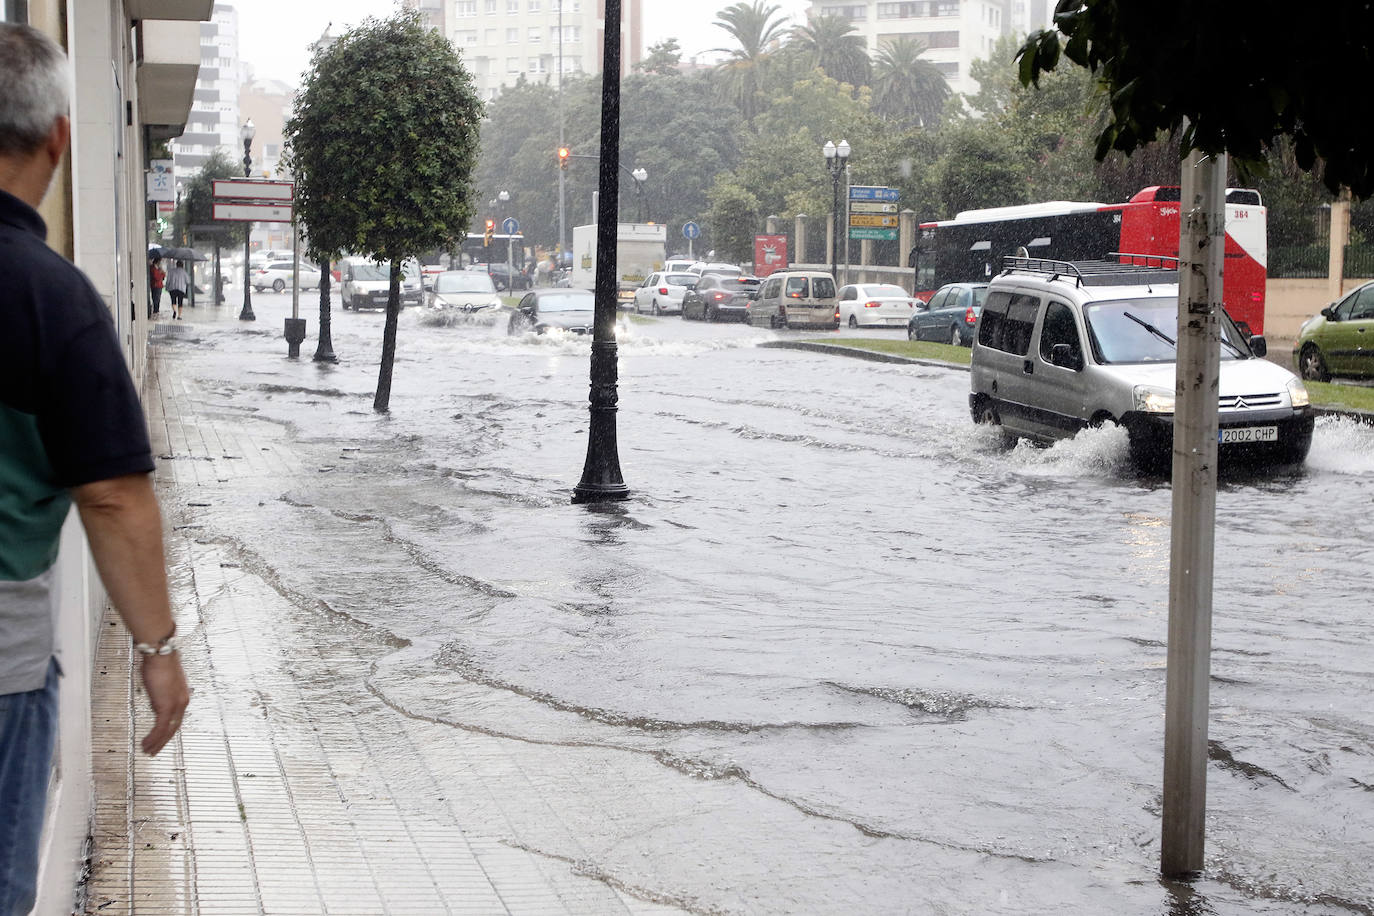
x=970, y=247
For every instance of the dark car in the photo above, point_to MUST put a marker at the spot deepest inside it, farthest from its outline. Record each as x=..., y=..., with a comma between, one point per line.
x=950, y=316
x=504, y=278
x=1339, y=341
x=718, y=298
x=569, y=310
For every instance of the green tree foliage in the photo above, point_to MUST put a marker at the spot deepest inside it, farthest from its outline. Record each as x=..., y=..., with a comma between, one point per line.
x=733, y=219
x=663, y=58
x=1213, y=81
x=980, y=167
x=197, y=202
x=908, y=89
x=756, y=30
x=832, y=44
x=382, y=143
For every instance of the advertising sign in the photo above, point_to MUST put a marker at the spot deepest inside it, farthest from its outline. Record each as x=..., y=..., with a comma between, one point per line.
x=253, y=212
x=161, y=183
x=253, y=189
x=770, y=254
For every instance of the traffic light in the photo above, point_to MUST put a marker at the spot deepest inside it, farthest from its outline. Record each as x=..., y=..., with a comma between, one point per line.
x=563, y=154
x=491, y=228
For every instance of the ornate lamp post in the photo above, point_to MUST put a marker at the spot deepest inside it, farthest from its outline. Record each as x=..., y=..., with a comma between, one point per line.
x=246, y=133
x=837, y=160
x=639, y=175
x=504, y=197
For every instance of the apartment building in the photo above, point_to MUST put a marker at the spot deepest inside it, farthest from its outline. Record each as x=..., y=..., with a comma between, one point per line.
x=502, y=40
x=955, y=32
x=214, y=120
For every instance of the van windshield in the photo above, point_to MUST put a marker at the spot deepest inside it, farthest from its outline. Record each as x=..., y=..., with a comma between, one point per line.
x=1146, y=331
x=371, y=271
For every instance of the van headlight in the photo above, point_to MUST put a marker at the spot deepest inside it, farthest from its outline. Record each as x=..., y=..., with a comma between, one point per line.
x=1150, y=399
x=1297, y=393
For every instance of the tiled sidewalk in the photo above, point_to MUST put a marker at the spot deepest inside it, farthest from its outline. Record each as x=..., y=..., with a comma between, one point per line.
x=291, y=788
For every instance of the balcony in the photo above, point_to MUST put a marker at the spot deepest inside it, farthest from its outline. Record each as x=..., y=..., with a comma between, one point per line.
x=168, y=64
x=194, y=10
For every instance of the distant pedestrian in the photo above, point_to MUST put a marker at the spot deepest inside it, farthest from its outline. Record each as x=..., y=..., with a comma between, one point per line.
x=178, y=281
x=71, y=431
x=156, y=277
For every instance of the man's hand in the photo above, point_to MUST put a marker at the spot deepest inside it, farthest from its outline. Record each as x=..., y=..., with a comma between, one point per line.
x=168, y=694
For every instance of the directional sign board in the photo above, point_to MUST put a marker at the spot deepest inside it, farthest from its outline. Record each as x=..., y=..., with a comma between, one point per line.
x=252, y=189
x=691, y=230
x=884, y=220
x=870, y=192
x=252, y=212
x=510, y=226
x=868, y=206
x=877, y=235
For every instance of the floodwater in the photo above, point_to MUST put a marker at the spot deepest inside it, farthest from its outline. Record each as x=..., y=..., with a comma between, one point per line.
x=867, y=660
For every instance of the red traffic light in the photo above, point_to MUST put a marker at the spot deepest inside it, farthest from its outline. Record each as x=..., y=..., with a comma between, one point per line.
x=563, y=154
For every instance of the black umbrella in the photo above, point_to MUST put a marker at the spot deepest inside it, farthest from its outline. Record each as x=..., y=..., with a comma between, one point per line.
x=182, y=254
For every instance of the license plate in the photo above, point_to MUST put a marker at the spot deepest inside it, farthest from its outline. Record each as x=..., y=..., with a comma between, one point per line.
x=1228, y=435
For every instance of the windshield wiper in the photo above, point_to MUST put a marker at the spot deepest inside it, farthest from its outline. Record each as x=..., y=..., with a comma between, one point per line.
x=1152, y=329
x=1239, y=352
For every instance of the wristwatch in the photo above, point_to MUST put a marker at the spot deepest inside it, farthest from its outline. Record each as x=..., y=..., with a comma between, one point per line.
x=165, y=646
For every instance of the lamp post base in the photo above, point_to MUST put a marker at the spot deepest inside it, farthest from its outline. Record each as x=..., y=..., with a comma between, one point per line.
x=247, y=313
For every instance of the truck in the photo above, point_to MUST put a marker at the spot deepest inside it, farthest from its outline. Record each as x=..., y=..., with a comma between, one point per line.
x=640, y=250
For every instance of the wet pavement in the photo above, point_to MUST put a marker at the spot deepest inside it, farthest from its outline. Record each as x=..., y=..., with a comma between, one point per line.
x=840, y=653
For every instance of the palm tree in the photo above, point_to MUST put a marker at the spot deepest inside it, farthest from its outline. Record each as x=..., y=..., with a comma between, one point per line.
x=836, y=47
x=754, y=28
x=906, y=87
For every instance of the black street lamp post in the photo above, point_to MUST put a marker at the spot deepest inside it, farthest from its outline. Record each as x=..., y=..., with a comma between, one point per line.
x=246, y=135
x=836, y=159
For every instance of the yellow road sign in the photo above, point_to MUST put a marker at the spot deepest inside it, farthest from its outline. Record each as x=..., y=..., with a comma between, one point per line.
x=877, y=220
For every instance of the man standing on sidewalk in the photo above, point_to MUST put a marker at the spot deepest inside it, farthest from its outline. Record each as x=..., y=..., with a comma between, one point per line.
x=71, y=430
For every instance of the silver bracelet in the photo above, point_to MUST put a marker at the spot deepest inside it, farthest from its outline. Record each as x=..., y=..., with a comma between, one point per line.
x=164, y=646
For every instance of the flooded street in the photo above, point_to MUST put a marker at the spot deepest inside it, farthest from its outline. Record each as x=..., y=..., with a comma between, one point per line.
x=840, y=652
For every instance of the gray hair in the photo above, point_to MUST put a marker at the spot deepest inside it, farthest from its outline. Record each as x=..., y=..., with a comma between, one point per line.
x=33, y=70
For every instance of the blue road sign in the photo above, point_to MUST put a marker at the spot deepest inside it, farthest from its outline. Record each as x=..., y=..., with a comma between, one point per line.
x=870, y=192
x=510, y=226
x=691, y=230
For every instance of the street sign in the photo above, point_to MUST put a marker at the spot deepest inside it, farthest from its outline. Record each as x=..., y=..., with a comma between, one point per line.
x=510, y=226
x=161, y=183
x=252, y=212
x=884, y=220
x=870, y=192
x=253, y=189
x=876, y=235
x=691, y=230
x=865, y=206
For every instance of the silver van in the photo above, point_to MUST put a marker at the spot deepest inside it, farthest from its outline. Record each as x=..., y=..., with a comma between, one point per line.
x=1065, y=345
x=796, y=299
x=366, y=284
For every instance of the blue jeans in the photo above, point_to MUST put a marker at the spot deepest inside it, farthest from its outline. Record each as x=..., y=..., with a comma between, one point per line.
x=28, y=728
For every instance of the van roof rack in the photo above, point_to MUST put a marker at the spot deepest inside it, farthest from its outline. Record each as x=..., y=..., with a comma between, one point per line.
x=1128, y=268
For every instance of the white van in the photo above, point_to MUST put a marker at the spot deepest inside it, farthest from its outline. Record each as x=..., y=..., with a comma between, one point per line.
x=366, y=284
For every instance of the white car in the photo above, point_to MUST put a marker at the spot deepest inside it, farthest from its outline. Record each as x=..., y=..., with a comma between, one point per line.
x=276, y=275
x=662, y=293
x=875, y=305
x=465, y=291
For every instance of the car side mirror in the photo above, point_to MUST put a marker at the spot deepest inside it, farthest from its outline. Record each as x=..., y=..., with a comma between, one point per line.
x=1258, y=345
x=922, y=306
x=1329, y=313
x=1062, y=355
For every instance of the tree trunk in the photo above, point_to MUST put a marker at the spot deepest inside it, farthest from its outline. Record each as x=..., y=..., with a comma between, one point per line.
x=382, y=402
x=324, y=350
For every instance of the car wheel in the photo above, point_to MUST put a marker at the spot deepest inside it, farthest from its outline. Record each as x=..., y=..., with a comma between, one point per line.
x=985, y=414
x=954, y=339
x=655, y=310
x=278, y=285
x=345, y=304
x=853, y=323
x=782, y=323
x=709, y=314
x=910, y=333
x=518, y=325
x=1312, y=366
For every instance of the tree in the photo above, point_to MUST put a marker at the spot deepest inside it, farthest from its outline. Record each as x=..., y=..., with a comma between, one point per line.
x=1214, y=83
x=755, y=29
x=382, y=141
x=980, y=168
x=197, y=202
x=834, y=45
x=663, y=58
x=907, y=88
x=734, y=219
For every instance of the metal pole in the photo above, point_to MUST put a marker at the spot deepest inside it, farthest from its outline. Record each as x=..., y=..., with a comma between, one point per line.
x=562, y=174
x=834, y=220
x=1202, y=248
x=247, y=313
x=601, y=480
x=295, y=325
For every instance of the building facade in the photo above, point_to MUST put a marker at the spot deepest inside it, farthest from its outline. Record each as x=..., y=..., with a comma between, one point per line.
x=504, y=40
x=214, y=120
x=955, y=32
x=133, y=73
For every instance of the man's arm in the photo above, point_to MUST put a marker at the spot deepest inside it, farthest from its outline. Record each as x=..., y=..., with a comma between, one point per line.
x=124, y=528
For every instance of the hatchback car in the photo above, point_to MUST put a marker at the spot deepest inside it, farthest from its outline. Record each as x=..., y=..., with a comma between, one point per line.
x=1340, y=340
x=463, y=290
x=662, y=292
x=276, y=276
x=796, y=299
x=950, y=316
x=719, y=298
x=883, y=305
x=572, y=311
x=1066, y=345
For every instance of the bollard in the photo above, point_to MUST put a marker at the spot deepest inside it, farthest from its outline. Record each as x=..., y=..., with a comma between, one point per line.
x=295, y=333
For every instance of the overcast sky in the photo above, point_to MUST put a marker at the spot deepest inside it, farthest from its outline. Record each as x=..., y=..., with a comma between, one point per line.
x=275, y=36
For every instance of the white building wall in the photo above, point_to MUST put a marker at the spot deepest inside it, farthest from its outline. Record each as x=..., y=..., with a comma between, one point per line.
x=214, y=119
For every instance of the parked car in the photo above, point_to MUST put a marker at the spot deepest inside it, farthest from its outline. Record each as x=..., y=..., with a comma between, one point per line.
x=875, y=305
x=504, y=278
x=463, y=290
x=720, y=298
x=796, y=299
x=662, y=292
x=276, y=275
x=366, y=284
x=568, y=310
x=701, y=268
x=1340, y=340
x=1066, y=345
x=950, y=316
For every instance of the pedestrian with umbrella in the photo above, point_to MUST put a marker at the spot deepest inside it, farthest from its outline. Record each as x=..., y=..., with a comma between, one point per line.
x=177, y=282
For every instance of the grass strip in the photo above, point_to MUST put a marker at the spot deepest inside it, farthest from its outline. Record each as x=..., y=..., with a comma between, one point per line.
x=1326, y=394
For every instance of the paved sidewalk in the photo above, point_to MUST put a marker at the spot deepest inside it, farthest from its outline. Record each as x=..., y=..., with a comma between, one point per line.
x=292, y=788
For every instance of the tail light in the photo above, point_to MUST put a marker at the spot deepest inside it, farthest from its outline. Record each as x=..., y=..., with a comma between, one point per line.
x=837, y=315
x=970, y=317
x=717, y=296
x=911, y=303
x=873, y=305
x=663, y=290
